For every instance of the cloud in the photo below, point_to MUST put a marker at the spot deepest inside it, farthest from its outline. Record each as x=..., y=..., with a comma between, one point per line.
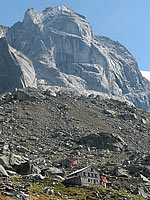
x=146, y=74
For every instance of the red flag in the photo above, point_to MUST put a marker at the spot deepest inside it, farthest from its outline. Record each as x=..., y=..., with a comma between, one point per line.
x=74, y=162
x=104, y=180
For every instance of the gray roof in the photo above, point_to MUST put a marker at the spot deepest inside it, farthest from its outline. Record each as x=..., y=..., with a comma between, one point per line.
x=82, y=169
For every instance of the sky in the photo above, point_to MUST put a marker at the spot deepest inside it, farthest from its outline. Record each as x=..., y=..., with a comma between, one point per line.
x=125, y=21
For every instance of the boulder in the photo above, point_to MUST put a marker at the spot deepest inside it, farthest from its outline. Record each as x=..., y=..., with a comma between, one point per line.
x=120, y=172
x=146, y=160
x=16, y=163
x=146, y=171
x=3, y=172
x=35, y=169
x=104, y=140
x=49, y=190
x=52, y=172
x=37, y=176
x=134, y=169
x=12, y=173
x=140, y=192
x=50, y=93
x=5, y=149
x=20, y=164
x=128, y=116
x=22, y=149
x=143, y=179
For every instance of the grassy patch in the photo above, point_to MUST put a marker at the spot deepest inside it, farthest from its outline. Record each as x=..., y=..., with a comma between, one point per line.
x=36, y=191
x=4, y=198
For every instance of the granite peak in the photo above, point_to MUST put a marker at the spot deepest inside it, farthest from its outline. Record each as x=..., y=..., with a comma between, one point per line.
x=66, y=53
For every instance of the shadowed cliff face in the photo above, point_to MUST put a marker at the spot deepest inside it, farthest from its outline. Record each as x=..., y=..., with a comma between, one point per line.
x=66, y=53
x=16, y=69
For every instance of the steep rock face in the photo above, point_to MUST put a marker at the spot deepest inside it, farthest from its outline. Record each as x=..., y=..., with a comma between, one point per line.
x=16, y=69
x=66, y=53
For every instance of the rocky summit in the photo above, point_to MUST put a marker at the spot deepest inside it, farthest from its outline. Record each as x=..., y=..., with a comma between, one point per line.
x=42, y=132
x=67, y=54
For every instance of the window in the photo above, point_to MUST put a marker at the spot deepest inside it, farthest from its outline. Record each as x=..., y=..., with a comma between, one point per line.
x=84, y=174
x=92, y=170
x=95, y=175
x=92, y=174
x=88, y=180
x=94, y=181
x=88, y=174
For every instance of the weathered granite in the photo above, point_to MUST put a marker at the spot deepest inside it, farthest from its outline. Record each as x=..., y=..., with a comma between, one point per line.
x=66, y=53
x=16, y=69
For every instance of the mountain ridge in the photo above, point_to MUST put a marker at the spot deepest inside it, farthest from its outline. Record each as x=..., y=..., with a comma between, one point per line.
x=67, y=54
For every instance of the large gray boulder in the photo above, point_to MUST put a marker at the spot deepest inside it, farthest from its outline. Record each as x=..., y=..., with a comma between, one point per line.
x=17, y=163
x=16, y=69
x=66, y=53
x=104, y=140
x=20, y=164
x=52, y=172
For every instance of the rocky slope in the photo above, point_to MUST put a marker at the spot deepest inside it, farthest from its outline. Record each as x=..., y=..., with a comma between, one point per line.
x=66, y=53
x=43, y=129
x=16, y=69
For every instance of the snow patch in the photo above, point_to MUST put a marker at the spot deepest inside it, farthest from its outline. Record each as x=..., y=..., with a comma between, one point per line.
x=146, y=74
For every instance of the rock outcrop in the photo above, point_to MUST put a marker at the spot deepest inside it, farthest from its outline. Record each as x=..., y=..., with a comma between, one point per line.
x=16, y=163
x=66, y=53
x=3, y=31
x=104, y=140
x=16, y=69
